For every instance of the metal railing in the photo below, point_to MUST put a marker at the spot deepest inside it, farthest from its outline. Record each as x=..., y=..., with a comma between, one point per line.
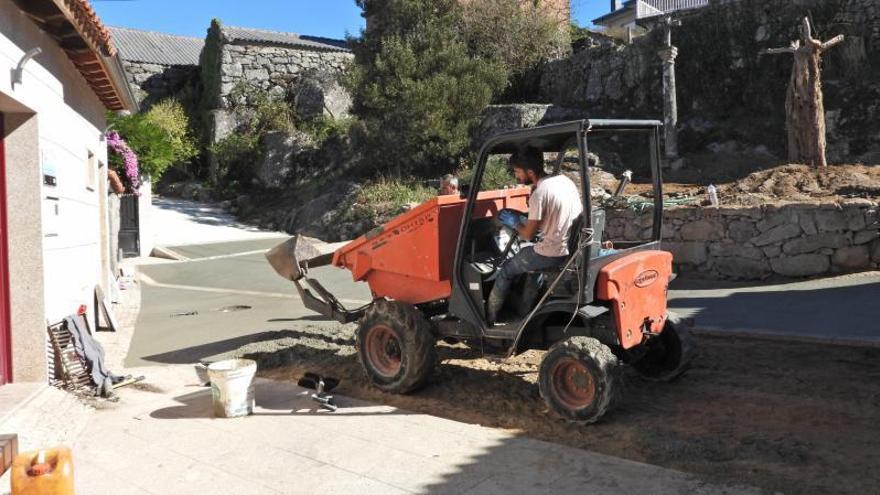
x=652, y=8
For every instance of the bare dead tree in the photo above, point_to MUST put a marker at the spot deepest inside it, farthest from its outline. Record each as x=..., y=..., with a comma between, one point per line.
x=804, y=108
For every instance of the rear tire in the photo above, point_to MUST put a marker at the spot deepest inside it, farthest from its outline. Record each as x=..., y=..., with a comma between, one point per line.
x=669, y=355
x=579, y=379
x=396, y=347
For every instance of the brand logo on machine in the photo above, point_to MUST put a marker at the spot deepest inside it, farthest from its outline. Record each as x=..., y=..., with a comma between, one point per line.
x=646, y=278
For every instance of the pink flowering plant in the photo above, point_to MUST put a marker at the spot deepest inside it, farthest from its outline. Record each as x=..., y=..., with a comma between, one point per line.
x=125, y=161
x=145, y=145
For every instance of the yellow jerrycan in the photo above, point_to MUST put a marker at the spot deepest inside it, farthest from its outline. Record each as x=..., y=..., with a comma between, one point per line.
x=43, y=472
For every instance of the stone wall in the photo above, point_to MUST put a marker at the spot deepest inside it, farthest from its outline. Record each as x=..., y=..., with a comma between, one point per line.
x=726, y=91
x=795, y=240
x=273, y=69
x=153, y=82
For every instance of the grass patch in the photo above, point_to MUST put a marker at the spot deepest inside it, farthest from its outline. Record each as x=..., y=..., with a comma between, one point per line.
x=382, y=199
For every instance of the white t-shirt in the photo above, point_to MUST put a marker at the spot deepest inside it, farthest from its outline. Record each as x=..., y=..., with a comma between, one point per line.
x=555, y=204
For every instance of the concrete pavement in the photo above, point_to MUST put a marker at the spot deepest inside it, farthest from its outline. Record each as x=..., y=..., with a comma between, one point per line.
x=180, y=221
x=185, y=319
x=840, y=309
x=169, y=444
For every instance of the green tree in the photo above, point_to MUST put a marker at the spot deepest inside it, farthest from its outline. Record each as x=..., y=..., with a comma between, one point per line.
x=519, y=35
x=417, y=89
x=160, y=137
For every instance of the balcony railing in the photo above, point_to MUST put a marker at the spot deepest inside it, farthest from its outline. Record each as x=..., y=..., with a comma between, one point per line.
x=653, y=8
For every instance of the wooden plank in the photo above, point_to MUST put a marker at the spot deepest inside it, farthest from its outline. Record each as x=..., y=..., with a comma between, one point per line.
x=74, y=374
x=106, y=310
x=8, y=451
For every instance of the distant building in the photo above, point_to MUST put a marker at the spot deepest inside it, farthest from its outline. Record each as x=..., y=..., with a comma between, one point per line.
x=158, y=65
x=626, y=15
x=55, y=229
x=269, y=60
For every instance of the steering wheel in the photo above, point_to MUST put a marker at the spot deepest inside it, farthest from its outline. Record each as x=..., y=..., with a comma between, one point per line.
x=514, y=239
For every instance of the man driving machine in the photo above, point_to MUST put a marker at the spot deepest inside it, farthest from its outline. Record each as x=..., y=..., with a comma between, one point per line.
x=554, y=205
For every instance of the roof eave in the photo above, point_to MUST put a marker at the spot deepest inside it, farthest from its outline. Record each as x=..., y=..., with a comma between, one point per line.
x=281, y=44
x=612, y=15
x=119, y=77
x=87, y=45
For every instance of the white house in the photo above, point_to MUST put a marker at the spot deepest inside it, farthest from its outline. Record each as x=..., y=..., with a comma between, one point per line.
x=625, y=15
x=59, y=75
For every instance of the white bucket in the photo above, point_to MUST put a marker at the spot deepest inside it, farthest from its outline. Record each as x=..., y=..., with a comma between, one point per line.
x=232, y=386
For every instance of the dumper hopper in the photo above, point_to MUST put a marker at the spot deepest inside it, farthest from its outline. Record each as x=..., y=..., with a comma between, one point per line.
x=409, y=259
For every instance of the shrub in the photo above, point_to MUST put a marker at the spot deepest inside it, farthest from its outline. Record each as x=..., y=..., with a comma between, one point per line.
x=160, y=137
x=416, y=88
x=256, y=113
x=236, y=155
x=519, y=35
x=323, y=127
x=497, y=174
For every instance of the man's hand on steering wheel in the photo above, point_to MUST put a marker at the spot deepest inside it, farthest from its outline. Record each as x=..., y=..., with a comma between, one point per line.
x=514, y=240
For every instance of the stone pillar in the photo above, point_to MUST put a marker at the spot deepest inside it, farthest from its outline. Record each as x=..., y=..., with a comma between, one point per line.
x=670, y=106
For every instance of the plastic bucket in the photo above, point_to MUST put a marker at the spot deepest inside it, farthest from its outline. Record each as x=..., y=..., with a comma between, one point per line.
x=232, y=387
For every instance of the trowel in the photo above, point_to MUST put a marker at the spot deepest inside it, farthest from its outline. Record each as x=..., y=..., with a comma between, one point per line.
x=321, y=385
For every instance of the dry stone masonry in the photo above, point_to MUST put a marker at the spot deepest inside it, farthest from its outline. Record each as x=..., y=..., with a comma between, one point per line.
x=155, y=82
x=274, y=62
x=726, y=91
x=753, y=243
x=158, y=65
x=272, y=68
x=303, y=70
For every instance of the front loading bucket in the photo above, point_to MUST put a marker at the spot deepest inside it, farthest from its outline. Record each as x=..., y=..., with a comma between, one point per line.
x=292, y=259
x=285, y=259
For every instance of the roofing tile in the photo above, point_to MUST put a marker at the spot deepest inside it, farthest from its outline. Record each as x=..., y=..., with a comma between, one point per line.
x=233, y=34
x=156, y=48
x=91, y=24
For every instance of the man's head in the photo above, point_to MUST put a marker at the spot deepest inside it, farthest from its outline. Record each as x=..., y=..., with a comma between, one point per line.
x=527, y=165
x=448, y=184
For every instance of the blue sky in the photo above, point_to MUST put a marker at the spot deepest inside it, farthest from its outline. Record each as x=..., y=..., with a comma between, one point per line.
x=330, y=18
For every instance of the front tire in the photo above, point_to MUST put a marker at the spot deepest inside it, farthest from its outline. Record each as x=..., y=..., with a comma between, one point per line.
x=396, y=347
x=579, y=379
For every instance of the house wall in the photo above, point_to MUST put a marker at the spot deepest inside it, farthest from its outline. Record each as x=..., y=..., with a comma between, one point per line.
x=53, y=120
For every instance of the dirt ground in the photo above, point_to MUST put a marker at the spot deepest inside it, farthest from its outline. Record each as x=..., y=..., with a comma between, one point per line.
x=788, y=417
x=800, y=183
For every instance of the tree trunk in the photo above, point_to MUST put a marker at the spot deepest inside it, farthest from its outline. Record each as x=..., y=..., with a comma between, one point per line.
x=805, y=110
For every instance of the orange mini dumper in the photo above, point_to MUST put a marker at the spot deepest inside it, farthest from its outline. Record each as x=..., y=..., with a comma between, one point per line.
x=431, y=269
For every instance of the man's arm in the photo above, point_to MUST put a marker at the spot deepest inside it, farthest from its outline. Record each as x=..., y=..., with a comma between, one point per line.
x=528, y=230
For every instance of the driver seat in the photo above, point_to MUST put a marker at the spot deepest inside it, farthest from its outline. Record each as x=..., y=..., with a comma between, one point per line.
x=574, y=236
x=533, y=286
